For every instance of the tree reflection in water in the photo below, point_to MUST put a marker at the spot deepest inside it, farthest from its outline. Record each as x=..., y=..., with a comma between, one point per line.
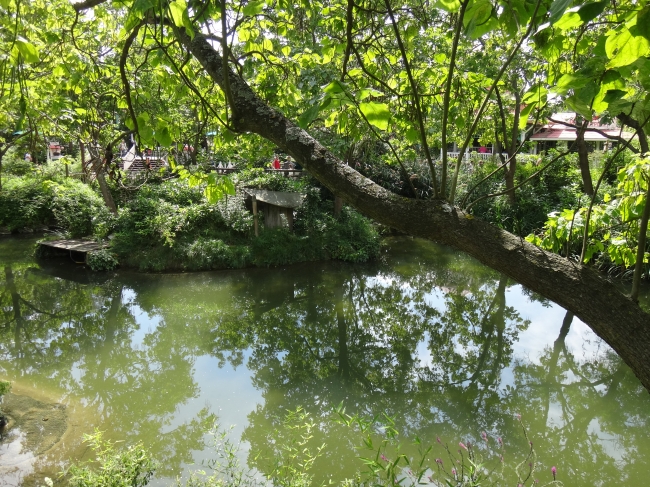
x=427, y=337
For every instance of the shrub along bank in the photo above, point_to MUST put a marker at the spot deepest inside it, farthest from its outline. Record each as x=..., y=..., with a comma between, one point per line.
x=168, y=225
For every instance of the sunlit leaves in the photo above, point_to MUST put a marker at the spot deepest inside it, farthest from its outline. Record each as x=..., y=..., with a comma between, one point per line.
x=253, y=8
x=478, y=19
x=180, y=16
x=377, y=114
x=623, y=48
x=451, y=6
x=218, y=187
x=613, y=225
x=27, y=50
x=570, y=81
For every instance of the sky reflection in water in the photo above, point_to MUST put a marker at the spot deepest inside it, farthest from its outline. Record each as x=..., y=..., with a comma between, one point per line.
x=444, y=345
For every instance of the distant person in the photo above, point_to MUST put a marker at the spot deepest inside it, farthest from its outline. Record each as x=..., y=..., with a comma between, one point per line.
x=482, y=150
x=28, y=157
x=276, y=163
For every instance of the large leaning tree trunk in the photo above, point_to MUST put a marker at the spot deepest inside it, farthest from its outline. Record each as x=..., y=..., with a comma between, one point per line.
x=584, y=292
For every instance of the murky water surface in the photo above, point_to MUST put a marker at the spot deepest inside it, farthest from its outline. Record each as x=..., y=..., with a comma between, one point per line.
x=445, y=346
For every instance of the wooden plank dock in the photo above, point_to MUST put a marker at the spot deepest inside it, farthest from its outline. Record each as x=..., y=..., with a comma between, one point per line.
x=78, y=247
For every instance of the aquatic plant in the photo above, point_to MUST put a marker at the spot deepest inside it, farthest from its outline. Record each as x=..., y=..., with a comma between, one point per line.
x=119, y=467
x=101, y=260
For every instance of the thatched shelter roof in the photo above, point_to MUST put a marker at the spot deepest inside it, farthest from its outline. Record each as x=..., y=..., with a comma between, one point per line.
x=276, y=198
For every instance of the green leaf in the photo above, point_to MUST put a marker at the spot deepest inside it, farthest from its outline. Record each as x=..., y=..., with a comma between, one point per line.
x=27, y=50
x=643, y=22
x=628, y=52
x=451, y=6
x=558, y=7
x=569, y=20
x=537, y=93
x=177, y=9
x=253, y=8
x=590, y=11
x=335, y=87
x=525, y=113
x=376, y=113
x=141, y=6
x=614, y=95
x=308, y=116
x=163, y=137
x=570, y=82
x=579, y=106
x=180, y=16
x=412, y=135
x=476, y=18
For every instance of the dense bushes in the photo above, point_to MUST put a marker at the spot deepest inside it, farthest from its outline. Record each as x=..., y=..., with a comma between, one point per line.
x=31, y=202
x=171, y=227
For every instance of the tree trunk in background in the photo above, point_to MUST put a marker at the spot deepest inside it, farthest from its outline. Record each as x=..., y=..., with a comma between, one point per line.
x=583, y=160
x=579, y=289
x=98, y=169
x=512, y=148
x=639, y=265
x=2, y=155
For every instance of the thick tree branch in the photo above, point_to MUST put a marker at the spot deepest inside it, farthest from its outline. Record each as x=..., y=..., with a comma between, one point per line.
x=579, y=289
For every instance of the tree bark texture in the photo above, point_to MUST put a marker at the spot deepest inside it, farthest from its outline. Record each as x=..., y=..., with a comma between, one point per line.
x=583, y=160
x=584, y=292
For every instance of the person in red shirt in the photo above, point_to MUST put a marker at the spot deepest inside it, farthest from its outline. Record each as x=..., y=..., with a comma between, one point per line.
x=276, y=163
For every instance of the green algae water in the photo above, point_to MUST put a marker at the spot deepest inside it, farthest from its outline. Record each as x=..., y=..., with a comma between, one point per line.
x=443, y=345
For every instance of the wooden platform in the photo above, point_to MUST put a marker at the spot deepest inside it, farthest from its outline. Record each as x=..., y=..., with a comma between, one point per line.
x=78, y=249
x=75, y=245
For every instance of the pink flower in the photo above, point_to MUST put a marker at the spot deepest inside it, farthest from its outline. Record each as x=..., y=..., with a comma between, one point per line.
x=383, y=457
x=462, y=445
x=519, y=417
x=500, y=441
x=484, y=436
x=553, y=471
x=438, y=440
x=453, y=472
x=439, y=461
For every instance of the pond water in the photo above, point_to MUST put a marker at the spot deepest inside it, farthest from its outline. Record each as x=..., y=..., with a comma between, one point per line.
x=443, y=345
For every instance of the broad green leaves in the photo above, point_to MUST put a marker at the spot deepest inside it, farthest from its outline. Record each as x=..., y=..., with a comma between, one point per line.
x=479, y=19
x=613, y=226
x=27, y=50
x=337, y=95
x=253, y=8
x=377, y=114
x=180, y=16
x=623, y=48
